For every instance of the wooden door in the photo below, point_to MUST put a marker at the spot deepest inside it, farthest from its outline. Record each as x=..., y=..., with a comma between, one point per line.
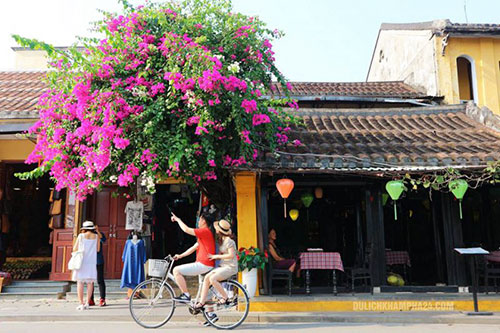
x=119, y=236
x=108, y=212
x=61, y=253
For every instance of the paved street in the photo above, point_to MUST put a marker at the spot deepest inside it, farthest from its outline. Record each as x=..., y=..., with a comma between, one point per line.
x=112, y=327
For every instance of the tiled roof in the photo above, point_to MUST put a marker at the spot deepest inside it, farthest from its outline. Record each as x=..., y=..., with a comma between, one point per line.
x=442, y=27
x=19, y=93
x=396, y=138
x=388, y=89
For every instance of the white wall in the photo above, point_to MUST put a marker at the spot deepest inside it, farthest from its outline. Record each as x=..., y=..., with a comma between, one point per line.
x=31, y=60
x=405, y=55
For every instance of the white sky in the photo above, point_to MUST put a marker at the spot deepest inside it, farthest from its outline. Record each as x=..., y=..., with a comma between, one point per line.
x=326, y=40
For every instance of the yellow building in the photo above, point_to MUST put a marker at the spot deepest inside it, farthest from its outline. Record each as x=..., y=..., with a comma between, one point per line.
x=460, y=62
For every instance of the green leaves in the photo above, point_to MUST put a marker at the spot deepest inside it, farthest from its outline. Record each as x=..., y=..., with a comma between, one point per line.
x=251, y=258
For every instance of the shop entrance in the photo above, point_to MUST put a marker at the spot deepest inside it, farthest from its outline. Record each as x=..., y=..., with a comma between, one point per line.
x=415, y=247
x=25, y=237
x=107, y=209
x=335, y=221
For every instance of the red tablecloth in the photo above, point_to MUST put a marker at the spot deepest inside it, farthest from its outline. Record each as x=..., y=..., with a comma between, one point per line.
x=494, y=256
x=321, y=260
x=397, y=258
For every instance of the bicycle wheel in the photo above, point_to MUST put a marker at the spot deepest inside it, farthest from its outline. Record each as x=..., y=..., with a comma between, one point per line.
x=232, y=314
x=152, y=304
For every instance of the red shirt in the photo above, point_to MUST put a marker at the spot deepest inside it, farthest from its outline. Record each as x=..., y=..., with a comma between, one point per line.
x=206, y=246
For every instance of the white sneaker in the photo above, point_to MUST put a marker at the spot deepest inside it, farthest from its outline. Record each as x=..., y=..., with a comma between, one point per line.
x=86, y=306
x=80, y=307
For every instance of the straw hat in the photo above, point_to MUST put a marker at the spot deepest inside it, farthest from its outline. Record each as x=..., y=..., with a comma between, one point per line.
x=223, y=227
x=88, y=225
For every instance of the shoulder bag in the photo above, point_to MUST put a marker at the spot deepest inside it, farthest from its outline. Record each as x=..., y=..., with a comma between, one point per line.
x=75, y=262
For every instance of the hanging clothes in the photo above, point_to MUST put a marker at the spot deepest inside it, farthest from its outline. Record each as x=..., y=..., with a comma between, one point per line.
x=134, y=211
x=134, y=258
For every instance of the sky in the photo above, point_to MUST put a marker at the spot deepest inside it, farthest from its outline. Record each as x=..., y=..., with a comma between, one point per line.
x=325, y=40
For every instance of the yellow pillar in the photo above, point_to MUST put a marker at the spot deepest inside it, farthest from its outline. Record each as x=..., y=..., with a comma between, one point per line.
x=246, y=210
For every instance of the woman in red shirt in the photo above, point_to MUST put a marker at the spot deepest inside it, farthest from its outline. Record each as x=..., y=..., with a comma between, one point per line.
x=204, y=247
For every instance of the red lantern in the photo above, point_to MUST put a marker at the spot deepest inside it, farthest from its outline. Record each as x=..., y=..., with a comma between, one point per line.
x=204, y=200
x=285, y=187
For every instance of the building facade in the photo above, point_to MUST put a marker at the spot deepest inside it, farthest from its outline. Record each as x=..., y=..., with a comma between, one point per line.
x=460, y=62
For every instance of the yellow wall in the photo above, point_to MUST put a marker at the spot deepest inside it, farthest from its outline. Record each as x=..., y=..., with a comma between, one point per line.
x=486, y=55
x=15, y=150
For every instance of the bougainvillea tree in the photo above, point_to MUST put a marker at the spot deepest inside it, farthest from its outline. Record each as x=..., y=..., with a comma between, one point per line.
x=169, y=90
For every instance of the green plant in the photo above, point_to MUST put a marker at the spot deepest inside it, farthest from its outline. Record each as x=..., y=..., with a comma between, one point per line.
x=251, y=258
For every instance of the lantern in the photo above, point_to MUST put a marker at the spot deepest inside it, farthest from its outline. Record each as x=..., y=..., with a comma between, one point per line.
x=395, y=188
x=458, y=187
x=318, y=193
x=385, y=197
x=307, y=199
x=285, y=187
x=294, y=214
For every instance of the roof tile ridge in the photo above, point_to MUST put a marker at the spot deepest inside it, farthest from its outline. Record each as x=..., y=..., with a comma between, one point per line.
x=483, y=116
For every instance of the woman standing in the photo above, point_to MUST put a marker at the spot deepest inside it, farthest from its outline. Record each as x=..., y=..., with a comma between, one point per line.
x=228, y=265
x=88, y=241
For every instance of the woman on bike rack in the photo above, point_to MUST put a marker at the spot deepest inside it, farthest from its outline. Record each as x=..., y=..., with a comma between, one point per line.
x=228, y=266
x=204, y=247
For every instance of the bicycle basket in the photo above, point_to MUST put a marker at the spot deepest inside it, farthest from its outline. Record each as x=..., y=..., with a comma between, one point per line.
x=157, y=267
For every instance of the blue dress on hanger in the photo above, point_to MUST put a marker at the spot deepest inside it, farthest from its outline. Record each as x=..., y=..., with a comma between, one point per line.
x=134, y=258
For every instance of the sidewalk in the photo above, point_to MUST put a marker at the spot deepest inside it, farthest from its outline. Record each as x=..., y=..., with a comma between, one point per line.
x=117, y=311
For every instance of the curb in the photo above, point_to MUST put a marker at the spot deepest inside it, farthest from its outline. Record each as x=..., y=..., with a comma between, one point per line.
x=379, y=318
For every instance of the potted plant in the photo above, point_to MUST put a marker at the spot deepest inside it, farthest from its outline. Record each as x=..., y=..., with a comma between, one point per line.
x=249, y=260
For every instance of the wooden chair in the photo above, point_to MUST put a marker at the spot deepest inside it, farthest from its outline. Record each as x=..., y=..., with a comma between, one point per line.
x=489, y=270
x=278, y=274
x=361, y=271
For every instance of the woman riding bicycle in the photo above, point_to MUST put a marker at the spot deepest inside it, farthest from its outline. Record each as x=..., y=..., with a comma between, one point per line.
x=228, y=266
x=204, y=247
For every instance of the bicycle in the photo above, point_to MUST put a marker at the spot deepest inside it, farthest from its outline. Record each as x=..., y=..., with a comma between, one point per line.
x=154, y=305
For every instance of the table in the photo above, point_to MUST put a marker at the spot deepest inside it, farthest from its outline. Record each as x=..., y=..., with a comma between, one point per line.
x=321, y=260
x=397, y=258
x=494, y=256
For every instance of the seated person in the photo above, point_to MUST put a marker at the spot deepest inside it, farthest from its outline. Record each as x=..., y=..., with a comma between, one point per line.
x=228, y=265
x=278, y=261
x=204, y=247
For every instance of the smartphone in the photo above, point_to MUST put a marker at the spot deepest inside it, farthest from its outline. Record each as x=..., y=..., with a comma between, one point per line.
x=169, y=211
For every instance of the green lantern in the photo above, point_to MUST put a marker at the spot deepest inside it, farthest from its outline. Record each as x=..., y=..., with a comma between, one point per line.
x=307, y=199
x=395, y=188
x=385, y=197
x=458, y=187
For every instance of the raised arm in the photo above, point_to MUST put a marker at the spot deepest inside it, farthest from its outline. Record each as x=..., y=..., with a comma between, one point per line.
x=184, y=227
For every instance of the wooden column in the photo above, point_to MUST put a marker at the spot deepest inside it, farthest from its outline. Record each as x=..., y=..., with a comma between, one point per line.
x=375, y=235
x=453, y=238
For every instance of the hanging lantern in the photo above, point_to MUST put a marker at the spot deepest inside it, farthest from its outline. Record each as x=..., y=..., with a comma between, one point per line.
x=385, y=197
x=307, y=199
x=294, y=214
x=458, y=187
x=395, y=188
x=318, y=192
x=285, y=187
